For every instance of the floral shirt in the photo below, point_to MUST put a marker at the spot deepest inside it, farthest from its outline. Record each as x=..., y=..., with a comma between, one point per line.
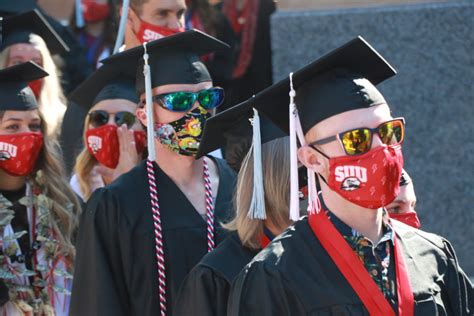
x=376, y=258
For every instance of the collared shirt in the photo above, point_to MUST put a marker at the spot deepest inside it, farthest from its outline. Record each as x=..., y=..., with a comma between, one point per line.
x=376, y=258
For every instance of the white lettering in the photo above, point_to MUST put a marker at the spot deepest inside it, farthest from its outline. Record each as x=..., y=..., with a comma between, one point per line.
x=95, y=143
x=344, y=172
x=9, y=148
x=149, y=35
x=339, y=174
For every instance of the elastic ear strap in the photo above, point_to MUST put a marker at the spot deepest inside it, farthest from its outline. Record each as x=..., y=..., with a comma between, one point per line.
x=257, y=205
x=79, y=16
x=149, y=107
x=123, y=23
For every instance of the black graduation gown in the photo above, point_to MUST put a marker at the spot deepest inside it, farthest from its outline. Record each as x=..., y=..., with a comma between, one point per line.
x=205, y=290
x=116, y=267
x=295, y=276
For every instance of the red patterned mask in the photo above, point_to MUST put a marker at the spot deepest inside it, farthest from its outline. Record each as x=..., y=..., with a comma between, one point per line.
x=149, y=32
x=36, y=86
x=95, y=12
x=408, y=218
x=102, y=143
x=371, y=180
x=19, y=152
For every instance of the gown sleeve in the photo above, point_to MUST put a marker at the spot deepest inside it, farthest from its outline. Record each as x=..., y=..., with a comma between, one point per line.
x=261, y=290
x=98, y=287
x=203, y=292
x=459, y=289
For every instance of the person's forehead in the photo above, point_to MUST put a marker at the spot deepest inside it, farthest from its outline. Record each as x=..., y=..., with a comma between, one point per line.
x=367, y=117
x=114, y=105
x=32, y=114
x=165, y=4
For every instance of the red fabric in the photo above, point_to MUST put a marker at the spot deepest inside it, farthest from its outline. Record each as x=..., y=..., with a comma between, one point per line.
x=103, y=143
x=95, y=12
x=264, y=241
x=19, y=152
x=149, y=32
x=408, y=218
x=244, y=23
x=356, y=274
x=36, y=86
x=371, y=180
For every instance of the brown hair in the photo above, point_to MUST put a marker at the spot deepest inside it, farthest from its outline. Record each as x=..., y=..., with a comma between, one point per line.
x=85, y=162
x=276, y=177
x=65, y=206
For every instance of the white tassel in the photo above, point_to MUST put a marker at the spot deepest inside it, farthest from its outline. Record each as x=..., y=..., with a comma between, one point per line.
x=257, y=205
x=294, y=187
x=149, y=107
x=123, y=23
x=79, y=16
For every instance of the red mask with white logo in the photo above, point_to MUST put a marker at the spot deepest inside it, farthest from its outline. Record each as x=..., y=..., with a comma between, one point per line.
x=371, y=180
x=95, y=12
x=19, y=152
x=149, y=32
x=36, y=86
x=103, y=143
x=408, y=218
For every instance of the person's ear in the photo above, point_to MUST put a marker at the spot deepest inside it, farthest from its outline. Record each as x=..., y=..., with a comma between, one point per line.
x=311, y=159
x=133, y=20
x=141, y=115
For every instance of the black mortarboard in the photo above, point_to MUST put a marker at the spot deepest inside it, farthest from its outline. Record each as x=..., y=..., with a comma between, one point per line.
x=106, y=83
x=18, y=29
x=173, y=60
x=340, y=81
x=15, y=95
x=219, y=129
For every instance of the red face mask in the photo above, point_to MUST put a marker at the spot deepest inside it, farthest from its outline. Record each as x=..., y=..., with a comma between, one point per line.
x=150, y=32
x=19, y=152
x=102, y=143
x=95, y=12
x=36, y=86
x=408, y=218
x=371, y=180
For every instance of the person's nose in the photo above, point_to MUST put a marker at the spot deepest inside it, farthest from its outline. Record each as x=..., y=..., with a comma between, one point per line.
x=111, y=119
x=173, y=22
x=376, y=141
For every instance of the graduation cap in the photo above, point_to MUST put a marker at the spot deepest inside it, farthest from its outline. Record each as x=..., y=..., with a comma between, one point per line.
x=15, y=95
x=106, y=83
x=340, y=81
x=173, y=60
x=18, y=29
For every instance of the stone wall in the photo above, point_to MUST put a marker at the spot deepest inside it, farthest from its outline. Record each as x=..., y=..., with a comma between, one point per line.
x=431, y=46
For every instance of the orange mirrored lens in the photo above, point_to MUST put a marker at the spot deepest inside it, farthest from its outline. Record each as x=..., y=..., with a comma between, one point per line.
x=356, y=141
x=392, y=132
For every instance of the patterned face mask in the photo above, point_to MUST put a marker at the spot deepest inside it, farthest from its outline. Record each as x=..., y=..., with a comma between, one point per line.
x=183, y=136
x=19, y=152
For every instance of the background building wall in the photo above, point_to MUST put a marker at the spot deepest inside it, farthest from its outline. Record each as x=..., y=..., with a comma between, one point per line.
x=431, y=46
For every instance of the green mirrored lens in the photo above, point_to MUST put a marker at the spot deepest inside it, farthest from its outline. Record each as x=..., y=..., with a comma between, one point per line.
x=211, y=98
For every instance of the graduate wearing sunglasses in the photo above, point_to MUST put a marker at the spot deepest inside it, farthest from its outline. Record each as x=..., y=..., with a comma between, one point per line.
x=347, y=257
x=114, y=140
x=142, y=234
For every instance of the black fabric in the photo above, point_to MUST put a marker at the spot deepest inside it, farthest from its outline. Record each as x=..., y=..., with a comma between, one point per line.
x=342, y=80
x=173, y=60
x=295, y=276
x=206, y=289
x=18, y=28
x=106, y=83
x=15, y=95
x=116, y=269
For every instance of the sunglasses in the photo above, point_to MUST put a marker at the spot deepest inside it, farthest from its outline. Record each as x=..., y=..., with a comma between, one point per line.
x=359, y=140
x=99, y=118
x=183, y=101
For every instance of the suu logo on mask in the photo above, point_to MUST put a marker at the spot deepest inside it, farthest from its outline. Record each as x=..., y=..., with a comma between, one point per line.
x=351, y=177
x=149, y=32
x=19, y=152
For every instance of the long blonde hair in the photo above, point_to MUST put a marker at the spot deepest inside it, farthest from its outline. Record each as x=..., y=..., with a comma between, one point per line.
x=276, y=177
x=52, y=102
x=65, y=208
x=85, y=162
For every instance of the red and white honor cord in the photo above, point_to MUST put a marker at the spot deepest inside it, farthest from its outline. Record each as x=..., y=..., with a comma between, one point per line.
x=209, y=207
x=158, y=231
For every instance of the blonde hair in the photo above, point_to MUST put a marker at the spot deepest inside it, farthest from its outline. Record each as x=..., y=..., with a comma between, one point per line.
x=276, y=177
x=65, y=206
x=85, y=162
x=52, y=102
